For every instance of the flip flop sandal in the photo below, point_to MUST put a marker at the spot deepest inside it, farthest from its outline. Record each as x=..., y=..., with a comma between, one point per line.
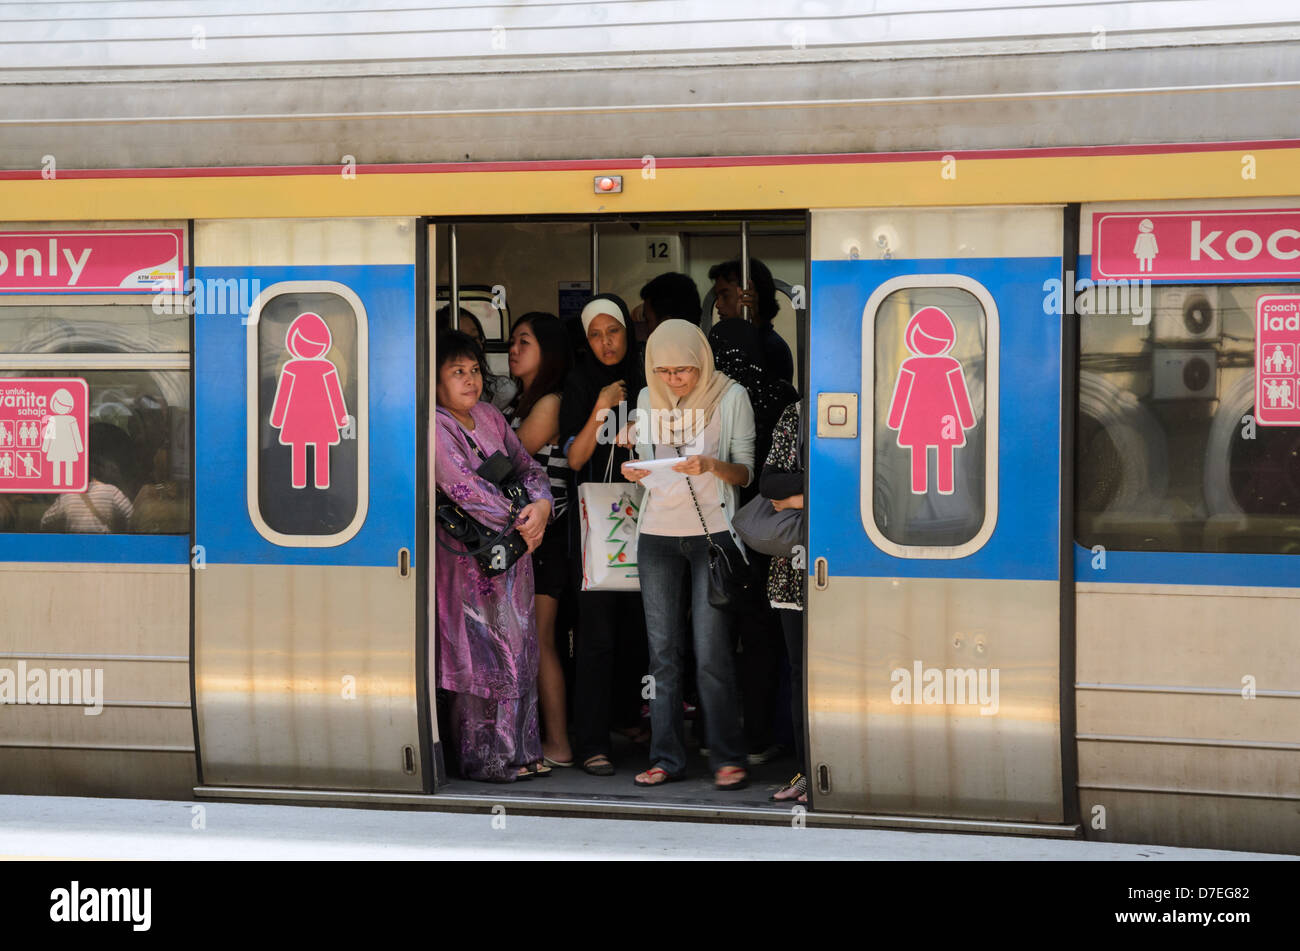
x=797, y=786
x=538, y=770
x=730, y=771
x=653, y=772
x=547, y=761
x=598, y=765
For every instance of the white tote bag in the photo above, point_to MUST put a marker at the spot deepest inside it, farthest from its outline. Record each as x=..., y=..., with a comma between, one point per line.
x=609, y=513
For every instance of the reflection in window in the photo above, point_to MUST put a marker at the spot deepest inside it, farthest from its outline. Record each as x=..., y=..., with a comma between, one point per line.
x=139, y=460
x=307, y=468
x=1165, y=460
x=77, y=328
x=928, y=464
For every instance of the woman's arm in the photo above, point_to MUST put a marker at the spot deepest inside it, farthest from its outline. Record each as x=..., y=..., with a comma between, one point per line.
x=528, y=470
x=584, y=444
x=776, y=484
x=738, y=469
x=542, y=426
x=740, y=452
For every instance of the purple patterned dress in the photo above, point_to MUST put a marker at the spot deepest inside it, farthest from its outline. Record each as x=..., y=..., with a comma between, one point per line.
x=486, y=632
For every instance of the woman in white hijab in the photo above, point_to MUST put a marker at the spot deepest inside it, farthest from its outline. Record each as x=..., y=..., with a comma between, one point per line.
x=690, y=411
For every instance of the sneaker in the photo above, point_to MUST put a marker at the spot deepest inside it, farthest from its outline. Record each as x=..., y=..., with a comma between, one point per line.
x=775, y=751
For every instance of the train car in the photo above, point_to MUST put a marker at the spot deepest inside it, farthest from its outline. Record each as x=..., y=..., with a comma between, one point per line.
x=1074, y=621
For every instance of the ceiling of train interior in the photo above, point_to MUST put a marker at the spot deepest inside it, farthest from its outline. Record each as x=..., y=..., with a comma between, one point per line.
x=148, y=83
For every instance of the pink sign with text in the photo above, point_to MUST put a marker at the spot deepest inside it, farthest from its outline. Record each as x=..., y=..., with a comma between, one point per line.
x=43, y=262
x=43, y=435
x=1277, y=360
x=1198, y=245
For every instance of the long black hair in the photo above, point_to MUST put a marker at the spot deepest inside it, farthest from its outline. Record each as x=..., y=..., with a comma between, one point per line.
x=553, y=340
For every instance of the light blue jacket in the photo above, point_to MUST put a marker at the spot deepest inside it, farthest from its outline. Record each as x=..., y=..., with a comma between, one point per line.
x=735, y=444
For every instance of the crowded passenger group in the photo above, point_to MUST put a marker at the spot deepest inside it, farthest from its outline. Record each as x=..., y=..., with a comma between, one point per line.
x=541, y=666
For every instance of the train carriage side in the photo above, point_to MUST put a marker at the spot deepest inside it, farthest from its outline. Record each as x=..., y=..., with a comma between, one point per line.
x=1188, y=690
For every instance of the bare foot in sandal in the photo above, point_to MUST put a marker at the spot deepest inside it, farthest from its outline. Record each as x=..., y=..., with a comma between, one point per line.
x=654, y=776
x=730, y=777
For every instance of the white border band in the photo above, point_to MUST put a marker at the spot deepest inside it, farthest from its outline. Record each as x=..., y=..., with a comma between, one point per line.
x=362, y=414
x=868, y=437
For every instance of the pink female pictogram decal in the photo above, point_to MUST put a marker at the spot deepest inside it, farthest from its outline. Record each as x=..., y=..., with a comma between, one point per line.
x=309, y=408
x=931, y=405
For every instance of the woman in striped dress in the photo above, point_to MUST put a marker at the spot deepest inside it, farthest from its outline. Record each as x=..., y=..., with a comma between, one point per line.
x=539, y=360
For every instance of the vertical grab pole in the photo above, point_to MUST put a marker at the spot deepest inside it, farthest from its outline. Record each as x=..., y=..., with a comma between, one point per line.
x=744, y=264
x=454, y=303
x=595, y=260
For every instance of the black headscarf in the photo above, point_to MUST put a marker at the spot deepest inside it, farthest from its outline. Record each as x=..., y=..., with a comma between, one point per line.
x=738, y=352
x=588, y=378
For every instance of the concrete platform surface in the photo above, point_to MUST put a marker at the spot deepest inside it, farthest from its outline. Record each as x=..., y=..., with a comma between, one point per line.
x=40, y=827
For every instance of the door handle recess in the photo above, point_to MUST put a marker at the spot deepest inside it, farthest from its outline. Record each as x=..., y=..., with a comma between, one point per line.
x=404, y=562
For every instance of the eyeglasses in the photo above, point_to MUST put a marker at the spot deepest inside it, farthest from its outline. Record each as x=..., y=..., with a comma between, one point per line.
x=669, y=372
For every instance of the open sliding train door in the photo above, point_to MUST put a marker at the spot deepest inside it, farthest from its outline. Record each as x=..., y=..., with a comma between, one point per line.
x=935, y=636
x=305, y=646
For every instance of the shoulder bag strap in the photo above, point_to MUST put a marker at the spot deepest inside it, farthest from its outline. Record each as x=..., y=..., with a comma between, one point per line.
x=712, y=544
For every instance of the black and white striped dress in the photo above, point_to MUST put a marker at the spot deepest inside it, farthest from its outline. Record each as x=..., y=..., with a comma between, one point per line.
x=550, y=458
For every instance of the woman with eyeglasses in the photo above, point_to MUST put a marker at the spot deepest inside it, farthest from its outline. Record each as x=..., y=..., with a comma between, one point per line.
x=690, y=411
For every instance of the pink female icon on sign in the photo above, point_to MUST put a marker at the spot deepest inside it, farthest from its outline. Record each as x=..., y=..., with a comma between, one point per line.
x=309, y=408
x=931, y=405
x=62, y=441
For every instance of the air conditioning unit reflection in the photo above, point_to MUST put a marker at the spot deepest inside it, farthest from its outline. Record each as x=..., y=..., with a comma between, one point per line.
x=1184, y=374
x=1185, y=315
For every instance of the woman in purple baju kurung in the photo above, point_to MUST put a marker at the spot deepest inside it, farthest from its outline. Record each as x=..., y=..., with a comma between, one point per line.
x=487, y=652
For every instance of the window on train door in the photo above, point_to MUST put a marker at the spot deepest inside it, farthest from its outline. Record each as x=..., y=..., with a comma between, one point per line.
x=307, y=421
x=930, y=376
x=133, y=360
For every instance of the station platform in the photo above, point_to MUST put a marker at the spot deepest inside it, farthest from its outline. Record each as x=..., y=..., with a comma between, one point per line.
x=69, y=828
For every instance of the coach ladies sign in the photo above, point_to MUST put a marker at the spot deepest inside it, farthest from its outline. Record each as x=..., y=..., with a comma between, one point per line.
x=78, y=262
x=1196, y=245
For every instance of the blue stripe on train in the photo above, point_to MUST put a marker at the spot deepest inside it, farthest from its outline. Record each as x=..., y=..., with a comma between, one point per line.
x=1184, y=568
x=96, y=549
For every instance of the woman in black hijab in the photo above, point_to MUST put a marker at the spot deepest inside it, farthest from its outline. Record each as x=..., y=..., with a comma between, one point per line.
x=606, y=381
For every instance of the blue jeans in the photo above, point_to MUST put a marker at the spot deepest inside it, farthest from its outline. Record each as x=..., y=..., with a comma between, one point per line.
x=674, y=575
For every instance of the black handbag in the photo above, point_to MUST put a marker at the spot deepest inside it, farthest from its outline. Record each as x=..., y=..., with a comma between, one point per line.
x=731, y=583
x=496, y=552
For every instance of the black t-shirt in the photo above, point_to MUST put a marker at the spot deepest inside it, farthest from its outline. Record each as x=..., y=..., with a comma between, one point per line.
x=777, y=359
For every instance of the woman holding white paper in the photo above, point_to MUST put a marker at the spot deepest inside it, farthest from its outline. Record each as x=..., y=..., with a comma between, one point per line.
x=690, y=411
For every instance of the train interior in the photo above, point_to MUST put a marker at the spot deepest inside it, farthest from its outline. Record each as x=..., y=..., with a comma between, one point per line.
x=504, y=269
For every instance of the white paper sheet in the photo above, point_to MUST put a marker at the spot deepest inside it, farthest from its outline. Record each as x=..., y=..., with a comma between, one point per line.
x=661, y=472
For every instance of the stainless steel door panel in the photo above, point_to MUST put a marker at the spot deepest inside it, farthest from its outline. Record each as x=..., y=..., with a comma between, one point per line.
x=889, y=754
x=305, y=677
